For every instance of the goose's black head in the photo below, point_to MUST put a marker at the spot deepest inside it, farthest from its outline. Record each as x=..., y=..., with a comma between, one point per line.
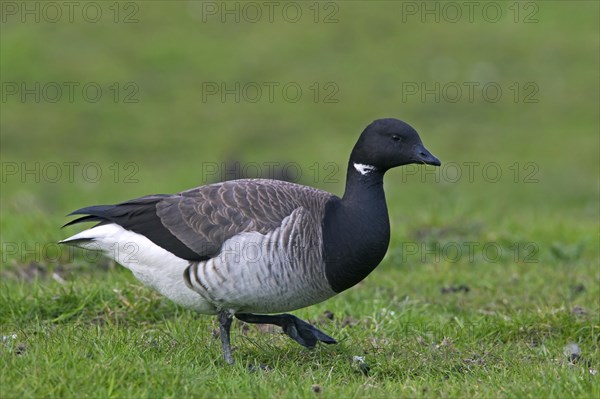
x=387, y=143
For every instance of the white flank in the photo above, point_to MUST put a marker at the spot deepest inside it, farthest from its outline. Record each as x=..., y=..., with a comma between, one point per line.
x=253, y=272
x=363, y=169
x=152, y=265
x=264, y=273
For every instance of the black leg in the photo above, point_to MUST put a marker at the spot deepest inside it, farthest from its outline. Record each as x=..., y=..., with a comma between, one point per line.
x=224, y=328
x=300, y=331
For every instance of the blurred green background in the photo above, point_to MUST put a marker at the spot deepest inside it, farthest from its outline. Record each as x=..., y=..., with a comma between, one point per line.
x=162, y=123
x=178, y=97
x=164, y=54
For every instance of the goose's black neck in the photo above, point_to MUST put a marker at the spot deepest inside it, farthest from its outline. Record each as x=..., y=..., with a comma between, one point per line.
x=356, y=229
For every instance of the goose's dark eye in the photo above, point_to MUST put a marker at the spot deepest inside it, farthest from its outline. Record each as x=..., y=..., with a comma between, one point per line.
x=395, y=137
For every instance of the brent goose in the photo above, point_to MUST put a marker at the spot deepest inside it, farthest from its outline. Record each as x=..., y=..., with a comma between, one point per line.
x=250, y=246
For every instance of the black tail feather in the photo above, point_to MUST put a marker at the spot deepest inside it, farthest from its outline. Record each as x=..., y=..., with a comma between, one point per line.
x=140, y=216
x=96, y=210
x=83, y=219
x=112, y=213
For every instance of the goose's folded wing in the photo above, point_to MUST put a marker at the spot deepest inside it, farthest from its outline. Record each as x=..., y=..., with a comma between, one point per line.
x=194, y=224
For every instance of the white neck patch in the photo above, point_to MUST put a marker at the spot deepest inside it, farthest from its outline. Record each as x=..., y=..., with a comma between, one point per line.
x=364, y=169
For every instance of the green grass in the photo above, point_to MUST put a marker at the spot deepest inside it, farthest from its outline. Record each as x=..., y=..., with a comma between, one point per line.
x=85, y=327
